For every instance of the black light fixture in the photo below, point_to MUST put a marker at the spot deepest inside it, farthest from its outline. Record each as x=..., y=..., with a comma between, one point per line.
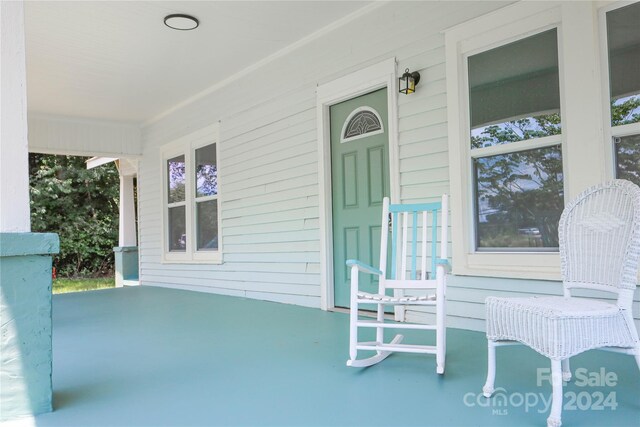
x=408, y=82
x=180, y=21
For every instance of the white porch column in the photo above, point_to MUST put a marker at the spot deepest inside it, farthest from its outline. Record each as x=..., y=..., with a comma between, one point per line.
x=127, y=235
x=25, y=257
x=14, y=157
x=126, y=254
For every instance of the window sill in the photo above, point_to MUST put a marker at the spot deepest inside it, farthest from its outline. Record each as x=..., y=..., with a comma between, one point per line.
x=176, y=259
x=514, y=265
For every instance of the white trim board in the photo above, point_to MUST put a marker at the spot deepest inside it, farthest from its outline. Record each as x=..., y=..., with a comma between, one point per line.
x=377, y=76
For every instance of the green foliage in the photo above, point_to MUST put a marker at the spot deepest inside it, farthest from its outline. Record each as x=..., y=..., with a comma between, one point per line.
x=81, y=206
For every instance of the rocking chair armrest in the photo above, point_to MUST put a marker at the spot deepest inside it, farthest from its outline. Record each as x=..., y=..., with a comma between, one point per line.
x=443, y=262
x=363, y=267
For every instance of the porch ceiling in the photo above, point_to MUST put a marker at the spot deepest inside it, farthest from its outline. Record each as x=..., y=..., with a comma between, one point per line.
x=118, y=61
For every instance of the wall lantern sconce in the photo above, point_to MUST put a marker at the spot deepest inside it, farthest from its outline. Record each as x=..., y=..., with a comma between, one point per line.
x=408, y=82
x=181, y=22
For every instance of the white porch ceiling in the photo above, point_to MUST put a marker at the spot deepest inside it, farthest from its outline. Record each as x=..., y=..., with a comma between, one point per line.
x=118, y=61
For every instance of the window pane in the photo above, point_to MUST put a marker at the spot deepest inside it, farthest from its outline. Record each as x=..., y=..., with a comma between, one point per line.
x=207, y=225
x=177, y=229
x=514, y=91
x=206, y=171
x=628, y=158
x=519, y=199
x=623, y=39
x=176, y=177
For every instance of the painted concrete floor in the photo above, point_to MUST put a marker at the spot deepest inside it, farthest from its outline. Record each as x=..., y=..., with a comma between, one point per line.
x=158, y=357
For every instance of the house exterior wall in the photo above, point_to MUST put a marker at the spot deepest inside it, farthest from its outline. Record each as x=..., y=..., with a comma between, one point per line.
x=269, y=160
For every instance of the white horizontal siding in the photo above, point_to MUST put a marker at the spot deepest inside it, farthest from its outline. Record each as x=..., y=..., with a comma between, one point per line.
x=269, y=161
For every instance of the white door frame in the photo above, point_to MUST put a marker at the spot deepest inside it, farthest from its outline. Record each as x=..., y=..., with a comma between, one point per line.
x=377, y=76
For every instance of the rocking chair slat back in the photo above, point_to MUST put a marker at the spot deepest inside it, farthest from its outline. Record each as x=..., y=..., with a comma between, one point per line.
x=413, y=220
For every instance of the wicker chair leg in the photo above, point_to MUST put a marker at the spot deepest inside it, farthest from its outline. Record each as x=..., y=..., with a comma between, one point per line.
x=566, y=371
x=488, y=389
x=554, y=419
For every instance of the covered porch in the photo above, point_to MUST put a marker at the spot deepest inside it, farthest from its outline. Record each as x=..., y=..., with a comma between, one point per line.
x=148, y=356
x=234, y=321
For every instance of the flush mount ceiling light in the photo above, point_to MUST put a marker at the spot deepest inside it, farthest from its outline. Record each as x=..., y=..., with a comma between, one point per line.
x=179, y=21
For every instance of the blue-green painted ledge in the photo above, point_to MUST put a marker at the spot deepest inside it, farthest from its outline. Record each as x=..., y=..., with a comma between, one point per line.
x=20, y=244
x=126, y=264
x=25, y=310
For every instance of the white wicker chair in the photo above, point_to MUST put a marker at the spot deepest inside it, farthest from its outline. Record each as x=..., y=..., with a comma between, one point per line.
x=599, y=250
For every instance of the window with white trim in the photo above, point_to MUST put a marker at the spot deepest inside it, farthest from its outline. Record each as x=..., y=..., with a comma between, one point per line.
x=623, y=55
x=515, y=144
x=525, y=133
x=191, y=199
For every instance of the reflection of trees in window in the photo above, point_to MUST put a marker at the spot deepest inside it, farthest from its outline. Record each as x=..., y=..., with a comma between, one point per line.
x=177, y=229
x=207, y=227
x=519, y=195
x=627, y=148
x=206, y=180
x=628, y=158
x=516, y=130
x=206, y=171
x=625, y=111
x=177, y=176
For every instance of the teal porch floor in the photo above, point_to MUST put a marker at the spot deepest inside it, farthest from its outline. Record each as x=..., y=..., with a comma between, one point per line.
x=146, y=356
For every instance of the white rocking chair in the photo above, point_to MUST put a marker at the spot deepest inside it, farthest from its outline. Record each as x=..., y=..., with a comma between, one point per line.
x=599, y=250
x=409, y=281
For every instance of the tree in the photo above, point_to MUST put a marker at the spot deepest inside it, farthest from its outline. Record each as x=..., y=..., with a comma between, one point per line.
x=81, y=206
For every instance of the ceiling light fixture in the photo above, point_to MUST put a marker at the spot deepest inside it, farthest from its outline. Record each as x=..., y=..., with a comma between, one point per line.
x=179, y=21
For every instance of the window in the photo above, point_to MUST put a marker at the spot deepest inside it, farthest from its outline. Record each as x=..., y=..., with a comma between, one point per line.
x=191, y=202
x=363, y=121
x=206, y=198
x=515, y=144
x=623, y=54
x=526, y=128
x=176, y=204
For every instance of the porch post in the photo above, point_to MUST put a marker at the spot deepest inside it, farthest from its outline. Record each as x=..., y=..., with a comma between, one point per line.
x=25, y=257
x=14, y=162
x=126, y=254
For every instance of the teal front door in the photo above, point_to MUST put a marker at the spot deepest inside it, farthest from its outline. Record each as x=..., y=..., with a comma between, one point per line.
x=360, y=180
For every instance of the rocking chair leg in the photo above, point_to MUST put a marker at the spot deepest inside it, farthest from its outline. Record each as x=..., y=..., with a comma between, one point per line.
x=353, y=317
x=488, y=389
x=353, y=333
x=556, y=404
x=380, y=331
x=440, y=340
